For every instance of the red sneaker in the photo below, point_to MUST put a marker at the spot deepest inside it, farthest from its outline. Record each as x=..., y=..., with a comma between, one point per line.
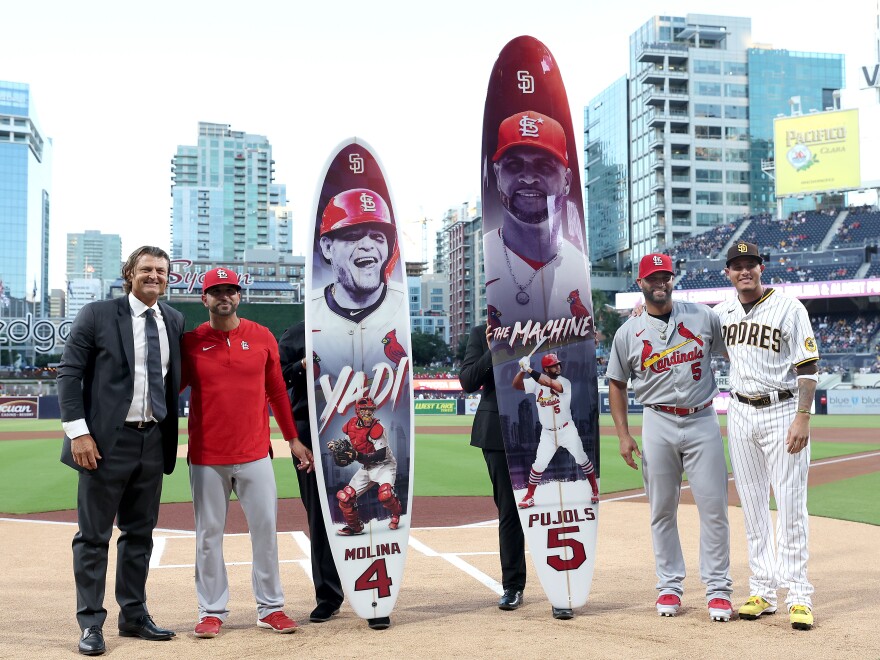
x=208, y=627
x=668, y=604
x=720, y=609
x=279, y=622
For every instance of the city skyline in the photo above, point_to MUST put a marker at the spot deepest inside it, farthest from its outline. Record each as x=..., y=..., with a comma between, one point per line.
x=118, y=93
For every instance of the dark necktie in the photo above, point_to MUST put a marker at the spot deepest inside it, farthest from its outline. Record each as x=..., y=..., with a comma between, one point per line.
x=154, y=367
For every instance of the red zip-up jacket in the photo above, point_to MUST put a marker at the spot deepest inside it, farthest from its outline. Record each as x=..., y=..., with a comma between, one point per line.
x=234, y=377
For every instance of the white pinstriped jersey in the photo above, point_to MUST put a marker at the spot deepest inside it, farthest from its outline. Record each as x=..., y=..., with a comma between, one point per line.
x=766, y=343
x=554, y=408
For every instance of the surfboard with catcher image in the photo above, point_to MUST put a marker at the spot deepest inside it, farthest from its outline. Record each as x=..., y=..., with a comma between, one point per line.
x=540, y=312
x=360, y=383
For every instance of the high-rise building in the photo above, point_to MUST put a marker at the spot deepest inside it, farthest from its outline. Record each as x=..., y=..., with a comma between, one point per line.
x=702, y=98
x=606, y=162
x=92, y=255
x=428, y=303
x=25, y=156
x=222, y=192
x=463, y=267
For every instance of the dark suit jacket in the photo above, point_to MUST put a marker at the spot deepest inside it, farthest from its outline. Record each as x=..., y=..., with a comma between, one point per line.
x=291, y=351
x=476, y=372
x=96, y=376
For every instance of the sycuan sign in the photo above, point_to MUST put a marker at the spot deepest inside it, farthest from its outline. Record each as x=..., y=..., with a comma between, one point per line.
x=24, y=407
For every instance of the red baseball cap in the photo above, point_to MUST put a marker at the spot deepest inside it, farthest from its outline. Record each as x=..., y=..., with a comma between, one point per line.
x=217, y=276
x=532, y=129
x=549, y=360
x=655, y=263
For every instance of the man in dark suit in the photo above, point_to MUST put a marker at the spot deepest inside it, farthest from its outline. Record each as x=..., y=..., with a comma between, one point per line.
x=118, y=383
x=328, y=587
x=476, y=372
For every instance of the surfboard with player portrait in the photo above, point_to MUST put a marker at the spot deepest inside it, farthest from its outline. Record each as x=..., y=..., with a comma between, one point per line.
x=540, y=313
x=360, y=384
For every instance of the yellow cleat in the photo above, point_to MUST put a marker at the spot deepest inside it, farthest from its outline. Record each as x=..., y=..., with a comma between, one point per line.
x=801, y=617
x=755, y=606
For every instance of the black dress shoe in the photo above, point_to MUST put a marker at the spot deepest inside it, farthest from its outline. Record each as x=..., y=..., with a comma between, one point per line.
x=511, y=599
x=379, y=624
x=92, y=641
x=563, y=613
x=145, y=628
x=323, y=612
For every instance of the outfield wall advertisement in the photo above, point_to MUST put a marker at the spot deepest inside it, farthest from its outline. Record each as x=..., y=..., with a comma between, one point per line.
x=21, y=407
x=853, y=402
x=818, y=152
x=436, y=407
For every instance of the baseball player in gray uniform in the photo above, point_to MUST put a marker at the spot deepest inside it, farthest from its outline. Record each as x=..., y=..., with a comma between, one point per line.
x=667, y=354
x=773, y=377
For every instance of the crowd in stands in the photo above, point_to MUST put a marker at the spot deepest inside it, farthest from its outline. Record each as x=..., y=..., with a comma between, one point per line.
x=705, y=245
x=845, y=334
x=861, y=226
x=803, y=230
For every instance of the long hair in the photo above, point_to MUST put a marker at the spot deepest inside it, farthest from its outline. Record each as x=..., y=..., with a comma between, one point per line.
x=129, y=266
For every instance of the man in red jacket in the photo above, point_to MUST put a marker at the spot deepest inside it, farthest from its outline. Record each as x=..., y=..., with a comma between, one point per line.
x=233, y=369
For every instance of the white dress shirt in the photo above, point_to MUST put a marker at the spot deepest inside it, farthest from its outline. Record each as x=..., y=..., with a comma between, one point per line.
x=141, y=409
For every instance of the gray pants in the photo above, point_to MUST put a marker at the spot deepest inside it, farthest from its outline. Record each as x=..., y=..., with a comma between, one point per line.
x=254, y=484
x=692, y=444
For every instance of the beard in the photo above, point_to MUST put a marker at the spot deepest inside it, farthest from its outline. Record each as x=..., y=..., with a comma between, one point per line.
x=526, y=217
x=358, y=283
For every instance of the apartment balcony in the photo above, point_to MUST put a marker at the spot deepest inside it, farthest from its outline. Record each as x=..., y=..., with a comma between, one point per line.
x=655, y=75
x=659, y=205
x=681, y=200
x=656, y=140
x=659, y=183
x=658, y=52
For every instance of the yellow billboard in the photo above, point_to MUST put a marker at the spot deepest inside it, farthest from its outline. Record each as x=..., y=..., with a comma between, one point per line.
x=818, y=152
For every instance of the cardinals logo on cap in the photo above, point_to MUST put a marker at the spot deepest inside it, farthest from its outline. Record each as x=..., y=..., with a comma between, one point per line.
x=528, y=126
x=658, y=261
x=367, y=202
x=222, y=274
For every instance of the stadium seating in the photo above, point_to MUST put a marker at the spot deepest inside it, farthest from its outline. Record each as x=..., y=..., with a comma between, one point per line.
x=705, y=245
x=804, y=230
x=846, y=333
x=861, y=227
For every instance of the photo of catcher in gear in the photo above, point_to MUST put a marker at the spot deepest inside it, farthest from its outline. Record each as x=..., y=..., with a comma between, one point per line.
x=366, y=443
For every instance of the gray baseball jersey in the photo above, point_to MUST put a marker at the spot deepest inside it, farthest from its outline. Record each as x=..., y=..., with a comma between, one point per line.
x=670, y=366
x=675, y=371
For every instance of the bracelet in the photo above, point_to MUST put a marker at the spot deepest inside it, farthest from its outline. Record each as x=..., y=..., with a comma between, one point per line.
x=805, y=411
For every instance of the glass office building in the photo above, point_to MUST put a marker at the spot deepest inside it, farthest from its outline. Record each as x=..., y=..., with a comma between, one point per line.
x=224, y=197
x=606, y=171
x=702, y=98
x=24, y=201
x=775, y=78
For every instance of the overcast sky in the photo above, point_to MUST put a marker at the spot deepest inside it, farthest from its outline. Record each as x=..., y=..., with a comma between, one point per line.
x=119, y=85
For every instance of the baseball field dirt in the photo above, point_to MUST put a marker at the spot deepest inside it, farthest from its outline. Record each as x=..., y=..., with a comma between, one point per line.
x=447, y=602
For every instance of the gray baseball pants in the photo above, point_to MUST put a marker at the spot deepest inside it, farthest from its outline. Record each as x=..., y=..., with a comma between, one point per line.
x=254, y=485
x=692, y=444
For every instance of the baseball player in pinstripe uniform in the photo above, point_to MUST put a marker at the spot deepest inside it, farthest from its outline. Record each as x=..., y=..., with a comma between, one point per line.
x=773, y=377
x=667, y=353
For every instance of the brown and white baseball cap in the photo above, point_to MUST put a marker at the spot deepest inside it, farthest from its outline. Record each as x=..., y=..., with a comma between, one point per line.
x=743, y=249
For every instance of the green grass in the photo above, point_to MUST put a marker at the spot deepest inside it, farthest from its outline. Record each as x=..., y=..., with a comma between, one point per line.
x=849, y=499
x=32, y=478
